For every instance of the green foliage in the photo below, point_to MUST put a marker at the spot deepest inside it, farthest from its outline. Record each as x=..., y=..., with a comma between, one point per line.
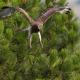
x=60, y=57
x=2, y=27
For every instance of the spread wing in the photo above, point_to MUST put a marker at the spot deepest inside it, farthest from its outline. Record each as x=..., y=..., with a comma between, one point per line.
x=22, y=11
x=8, y=11
x=43, y=18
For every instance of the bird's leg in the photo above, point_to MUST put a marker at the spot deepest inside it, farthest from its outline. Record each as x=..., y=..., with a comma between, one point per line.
x=30, y=37
x=39, y=34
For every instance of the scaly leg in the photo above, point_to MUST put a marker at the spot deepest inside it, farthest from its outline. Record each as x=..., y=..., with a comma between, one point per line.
x=30, y=38
x=39, y=34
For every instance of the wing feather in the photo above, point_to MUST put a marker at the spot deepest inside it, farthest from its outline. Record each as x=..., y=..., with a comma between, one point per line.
x=43, y=18
x=8, y=11
x=25, y=14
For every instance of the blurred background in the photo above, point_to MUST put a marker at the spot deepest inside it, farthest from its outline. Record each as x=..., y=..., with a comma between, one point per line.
x=60, y=57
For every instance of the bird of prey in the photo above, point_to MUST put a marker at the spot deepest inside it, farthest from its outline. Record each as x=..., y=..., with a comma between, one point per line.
x=35, y=25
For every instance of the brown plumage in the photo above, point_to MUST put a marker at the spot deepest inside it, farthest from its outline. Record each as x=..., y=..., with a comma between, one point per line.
x=36, y=25
x=48, y=14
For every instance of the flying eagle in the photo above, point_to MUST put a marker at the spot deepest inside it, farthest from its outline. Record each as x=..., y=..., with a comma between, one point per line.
x=35, y=25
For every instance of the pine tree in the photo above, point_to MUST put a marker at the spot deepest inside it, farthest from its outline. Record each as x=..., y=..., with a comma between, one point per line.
x=60, y=57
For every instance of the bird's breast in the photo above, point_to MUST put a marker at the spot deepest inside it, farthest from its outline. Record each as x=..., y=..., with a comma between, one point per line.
x=34, y=29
